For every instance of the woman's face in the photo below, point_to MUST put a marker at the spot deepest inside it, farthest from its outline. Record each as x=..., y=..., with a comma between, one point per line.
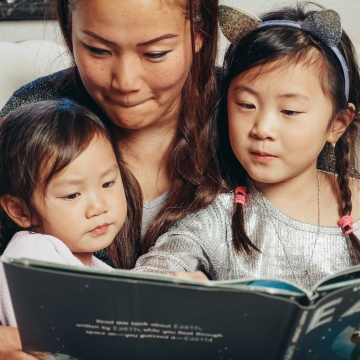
x=134, y=57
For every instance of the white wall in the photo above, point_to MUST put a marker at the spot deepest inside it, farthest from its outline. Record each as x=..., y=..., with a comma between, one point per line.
x=349, y=11
x=28, y=50
x=29, y=30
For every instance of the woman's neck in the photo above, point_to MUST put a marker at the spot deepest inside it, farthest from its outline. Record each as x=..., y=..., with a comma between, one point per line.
x=146, y=153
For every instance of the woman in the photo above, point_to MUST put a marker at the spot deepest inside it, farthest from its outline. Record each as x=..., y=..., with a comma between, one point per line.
x=147, y=69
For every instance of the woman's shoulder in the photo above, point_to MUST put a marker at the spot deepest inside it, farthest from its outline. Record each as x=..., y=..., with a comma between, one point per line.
x=48, y=87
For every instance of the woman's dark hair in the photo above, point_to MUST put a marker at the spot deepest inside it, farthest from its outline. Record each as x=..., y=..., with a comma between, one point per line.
x=54, y=133
x=195, y=172
x=291, y=45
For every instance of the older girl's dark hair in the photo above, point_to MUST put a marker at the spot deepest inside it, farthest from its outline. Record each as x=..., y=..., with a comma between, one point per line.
x=39, y=140
x=195, y=172
x=266, y=45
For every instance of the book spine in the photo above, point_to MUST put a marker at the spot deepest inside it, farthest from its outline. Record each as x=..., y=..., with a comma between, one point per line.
x=290, y=350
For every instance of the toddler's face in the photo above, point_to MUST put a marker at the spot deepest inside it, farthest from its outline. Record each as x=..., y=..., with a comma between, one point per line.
x=85, y=205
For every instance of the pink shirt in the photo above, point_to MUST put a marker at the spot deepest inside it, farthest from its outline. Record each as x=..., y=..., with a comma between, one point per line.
x=36, y=247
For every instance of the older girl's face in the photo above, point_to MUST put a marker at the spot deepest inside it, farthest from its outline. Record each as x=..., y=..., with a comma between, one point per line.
x=134, y=57
x=280, y=120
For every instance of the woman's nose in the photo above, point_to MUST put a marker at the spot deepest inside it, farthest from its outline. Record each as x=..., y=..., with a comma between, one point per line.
x=126, y=74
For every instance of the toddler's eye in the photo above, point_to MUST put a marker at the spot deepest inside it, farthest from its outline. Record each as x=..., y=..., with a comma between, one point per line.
x=247, y=106
x=71, y=196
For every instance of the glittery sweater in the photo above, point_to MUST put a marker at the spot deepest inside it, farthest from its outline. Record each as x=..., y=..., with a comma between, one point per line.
x=62, y=84
x=289, y=249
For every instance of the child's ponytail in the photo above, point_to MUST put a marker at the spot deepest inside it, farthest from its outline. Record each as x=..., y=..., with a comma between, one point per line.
x=342, y=164
x=241, y=241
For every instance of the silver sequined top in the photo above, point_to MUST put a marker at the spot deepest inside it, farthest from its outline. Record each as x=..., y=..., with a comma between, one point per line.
x=203, y=241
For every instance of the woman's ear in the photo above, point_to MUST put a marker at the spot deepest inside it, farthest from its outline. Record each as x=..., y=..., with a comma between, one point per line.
x=16, y=209
x=341, y=123
x=199, y=41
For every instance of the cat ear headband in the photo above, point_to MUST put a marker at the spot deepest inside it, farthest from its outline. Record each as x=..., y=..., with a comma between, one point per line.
x=325, y=25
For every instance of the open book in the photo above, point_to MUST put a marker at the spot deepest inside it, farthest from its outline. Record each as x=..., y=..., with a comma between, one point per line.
x=81, y=313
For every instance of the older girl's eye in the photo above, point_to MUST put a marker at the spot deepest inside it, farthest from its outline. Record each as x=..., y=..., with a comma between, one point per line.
x=108, y=184
x=290, y=112
x=246, y=106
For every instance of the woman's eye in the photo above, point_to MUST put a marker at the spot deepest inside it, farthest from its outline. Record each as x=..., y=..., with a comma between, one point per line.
x=71, y=196
x=246, y=106
x=156, y=55
x=97, y=51
x=108, y=184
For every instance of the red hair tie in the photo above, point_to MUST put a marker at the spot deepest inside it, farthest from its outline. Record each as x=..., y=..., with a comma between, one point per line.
x=240, y=195
x=347, y=220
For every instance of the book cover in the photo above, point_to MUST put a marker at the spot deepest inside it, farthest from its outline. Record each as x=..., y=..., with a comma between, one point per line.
x=331, y=327
x=81, y=313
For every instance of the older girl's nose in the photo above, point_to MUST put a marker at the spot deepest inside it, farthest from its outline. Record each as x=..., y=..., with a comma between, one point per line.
x=265, y=126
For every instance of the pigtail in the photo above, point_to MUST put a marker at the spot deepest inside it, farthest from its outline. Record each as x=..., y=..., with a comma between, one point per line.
x=241, y=241
x=342, y=163
x=232, y=171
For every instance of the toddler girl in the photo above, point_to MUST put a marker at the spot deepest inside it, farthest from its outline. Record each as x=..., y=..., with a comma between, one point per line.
x=63, y=184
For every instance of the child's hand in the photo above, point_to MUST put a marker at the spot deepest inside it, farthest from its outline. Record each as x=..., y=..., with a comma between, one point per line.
x=196, y=275
x=10, y=345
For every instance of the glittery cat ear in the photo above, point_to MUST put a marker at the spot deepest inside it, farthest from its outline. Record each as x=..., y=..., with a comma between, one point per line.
x=235, y=23
x=325, y=25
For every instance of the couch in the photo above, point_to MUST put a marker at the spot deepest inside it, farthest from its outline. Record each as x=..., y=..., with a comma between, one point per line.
x=22, y=62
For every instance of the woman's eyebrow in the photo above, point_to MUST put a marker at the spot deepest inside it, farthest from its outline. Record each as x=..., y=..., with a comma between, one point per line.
x=97, y=37
x=145, y=43
x=162, y=37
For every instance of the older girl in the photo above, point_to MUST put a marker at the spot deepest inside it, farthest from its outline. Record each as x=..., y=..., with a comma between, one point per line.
x=291, y=87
